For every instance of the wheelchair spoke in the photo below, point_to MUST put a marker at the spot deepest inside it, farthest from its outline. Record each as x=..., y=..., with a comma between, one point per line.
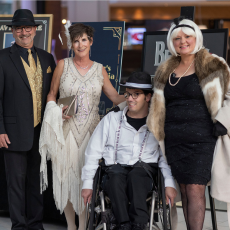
x=169, y=218
x=155, y=226
x=152, y=209
x=166, y=224
x=98, y=209
x=170, y=213
x=102, y=206
x=86, y=215
x=100, y=226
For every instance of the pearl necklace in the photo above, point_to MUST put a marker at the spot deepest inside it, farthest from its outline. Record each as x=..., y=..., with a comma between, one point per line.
x=181, y=76
x=81, y=66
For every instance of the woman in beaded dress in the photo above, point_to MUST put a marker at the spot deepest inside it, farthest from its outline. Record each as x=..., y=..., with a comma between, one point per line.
x=79, y=76
x=188, y=112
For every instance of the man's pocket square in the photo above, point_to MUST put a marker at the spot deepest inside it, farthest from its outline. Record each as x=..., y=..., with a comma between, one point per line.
x=49, y=70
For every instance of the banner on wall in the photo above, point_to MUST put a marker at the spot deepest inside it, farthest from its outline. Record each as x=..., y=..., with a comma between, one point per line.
x=43, y=33
x=155, y=49
x=107, y=49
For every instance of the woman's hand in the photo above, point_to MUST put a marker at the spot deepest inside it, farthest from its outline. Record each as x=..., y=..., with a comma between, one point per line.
x=110, y=91
x=63, y=111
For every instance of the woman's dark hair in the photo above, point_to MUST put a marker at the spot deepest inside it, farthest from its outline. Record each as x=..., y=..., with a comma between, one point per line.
x=77, y=30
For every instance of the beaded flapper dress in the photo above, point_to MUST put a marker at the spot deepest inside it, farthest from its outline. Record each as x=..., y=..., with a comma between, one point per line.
x=79, y=128
x=189, y=143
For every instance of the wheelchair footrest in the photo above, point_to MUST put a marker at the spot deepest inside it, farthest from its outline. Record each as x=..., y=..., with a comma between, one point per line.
x=109, y=219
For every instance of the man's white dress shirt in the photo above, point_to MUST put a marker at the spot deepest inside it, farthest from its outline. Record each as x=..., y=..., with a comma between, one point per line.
x=102, y=144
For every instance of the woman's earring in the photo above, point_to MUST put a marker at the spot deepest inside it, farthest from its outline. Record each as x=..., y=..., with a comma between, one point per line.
x=90, y=51
x=71, y=52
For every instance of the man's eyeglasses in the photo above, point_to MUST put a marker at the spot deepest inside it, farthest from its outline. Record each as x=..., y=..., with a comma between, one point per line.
x=134, y=95
x=20, y=29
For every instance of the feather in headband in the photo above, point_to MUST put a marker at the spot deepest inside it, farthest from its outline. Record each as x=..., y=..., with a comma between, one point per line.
x=69, y=44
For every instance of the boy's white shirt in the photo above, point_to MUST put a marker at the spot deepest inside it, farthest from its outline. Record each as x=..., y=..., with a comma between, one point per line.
x=102, y=144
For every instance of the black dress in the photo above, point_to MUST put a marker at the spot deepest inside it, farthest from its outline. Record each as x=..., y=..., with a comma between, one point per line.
x=189, y=143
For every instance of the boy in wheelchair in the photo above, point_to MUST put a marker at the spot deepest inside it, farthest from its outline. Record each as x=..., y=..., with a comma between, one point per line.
x=132, y=155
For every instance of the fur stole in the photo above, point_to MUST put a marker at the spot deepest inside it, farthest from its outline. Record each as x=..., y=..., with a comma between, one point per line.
x=213, y=75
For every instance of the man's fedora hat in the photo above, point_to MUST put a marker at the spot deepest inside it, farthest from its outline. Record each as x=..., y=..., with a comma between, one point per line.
x=138, y=80
x=23, y=17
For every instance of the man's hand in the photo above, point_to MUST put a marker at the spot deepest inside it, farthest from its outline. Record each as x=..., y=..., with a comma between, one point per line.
x=4, y=141
x=170, y=194
x=87, y=195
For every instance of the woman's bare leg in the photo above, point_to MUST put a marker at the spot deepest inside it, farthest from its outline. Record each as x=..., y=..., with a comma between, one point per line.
x=70, y=216
x=82, y=220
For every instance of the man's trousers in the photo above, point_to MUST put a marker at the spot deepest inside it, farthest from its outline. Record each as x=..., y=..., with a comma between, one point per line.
x=23, y=186
x=132, y=188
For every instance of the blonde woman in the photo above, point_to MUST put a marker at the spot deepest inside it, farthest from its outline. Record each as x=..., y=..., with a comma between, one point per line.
x=185, y=111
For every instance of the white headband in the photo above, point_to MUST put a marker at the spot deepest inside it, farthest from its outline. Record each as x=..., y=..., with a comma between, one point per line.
x=137, y=85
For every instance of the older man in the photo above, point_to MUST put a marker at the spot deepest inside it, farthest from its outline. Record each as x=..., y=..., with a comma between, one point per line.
x=25, y=77
x=132, y=154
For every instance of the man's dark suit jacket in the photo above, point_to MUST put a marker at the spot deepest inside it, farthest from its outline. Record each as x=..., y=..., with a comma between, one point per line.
x=16, y=103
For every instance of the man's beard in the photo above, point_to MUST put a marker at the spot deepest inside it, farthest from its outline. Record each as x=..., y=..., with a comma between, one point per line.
x=20, y=41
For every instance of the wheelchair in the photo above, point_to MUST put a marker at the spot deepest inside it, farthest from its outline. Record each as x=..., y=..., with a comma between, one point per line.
x=99, y=209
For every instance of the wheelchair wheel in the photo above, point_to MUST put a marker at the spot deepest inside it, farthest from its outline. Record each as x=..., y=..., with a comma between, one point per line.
x=158, y=206
x=92, y=216
x=163, y=209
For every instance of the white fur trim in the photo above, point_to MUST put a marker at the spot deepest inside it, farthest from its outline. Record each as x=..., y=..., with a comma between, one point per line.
x=215, y=83
x=222, y=60
x=159, y=91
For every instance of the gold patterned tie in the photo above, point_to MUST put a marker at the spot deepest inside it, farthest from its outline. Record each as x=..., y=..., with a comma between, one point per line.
x=31, y=61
